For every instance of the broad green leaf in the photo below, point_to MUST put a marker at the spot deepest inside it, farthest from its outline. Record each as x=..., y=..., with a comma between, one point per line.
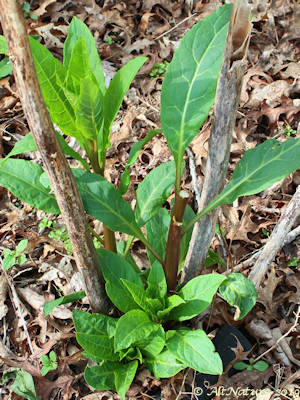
x=260, y=365
x=153, y=191
x=78, y=29
x=8, y=261
x=102, y=376
x=89, y=111
x=121, y=246
x=153, y=344
x=157, y=285
x=70, y=298
x=70, y=152
x=157, y=230
x=21, y=246
x=92, y=334
x=171, y=303
x=132, y=327
x=189, y=214
x=258, y=169
x=115, y=94
x=23, y=384
x=198, y=294
x=22, y=179
x=79, y=65
x=133, y=155
x=3, y=45
x=189, y=86
x=139, y=296
x=50, y=72
x=5, y=67
x=124, y=376
x=196, y=350
x=22, y=146
x=164, y=365
x=133, y=353
x=213, y=258
x=114, y=269
x=239, y=292
x=102, y=200
x=21, y=259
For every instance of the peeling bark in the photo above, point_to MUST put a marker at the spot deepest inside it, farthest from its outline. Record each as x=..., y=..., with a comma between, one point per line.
x=61, y=177
x=227, y=100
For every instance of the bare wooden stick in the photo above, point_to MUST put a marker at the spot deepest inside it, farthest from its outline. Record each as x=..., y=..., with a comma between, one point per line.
x=226, y=104
x=61, y=177
x=276, y=240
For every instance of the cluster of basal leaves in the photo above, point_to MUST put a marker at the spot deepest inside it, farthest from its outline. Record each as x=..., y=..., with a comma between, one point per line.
x=81, y=105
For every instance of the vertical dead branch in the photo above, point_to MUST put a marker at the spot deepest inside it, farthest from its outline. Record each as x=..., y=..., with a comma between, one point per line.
x=62, y=180
x=276, y=240
x=227, y=100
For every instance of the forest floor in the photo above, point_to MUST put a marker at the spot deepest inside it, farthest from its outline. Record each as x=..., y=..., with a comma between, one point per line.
x=269, y=108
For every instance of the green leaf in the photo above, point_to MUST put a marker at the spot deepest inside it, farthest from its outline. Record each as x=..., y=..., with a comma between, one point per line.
x=189, y=214
x=70, y=298
x=50, y=72
x=78, y=29
x=153, y=344
x=21, y=178
x=196, y=350
x=22, y=146
x=198, y=294
x=189, y=85
x=45, y=370
x=52, y=356
x=260, y=168
x=3, y=45
x=21, y=246
x=21, y=259
x=153, y=191
x=171, y=303
x=92, y=334
x=121, y=246
x=102, y=376
x=5, y=67
x=157, y=230
x=260, y=365
x=102, y=200
x=115, y=94
x=8, y=261
x=213, y=258
x=23, y=384
x=139, y=296
x=70, y=152
x=114, y=269
x=124, y=376
x=133, y=353
x=133, y=155
x=79, y=65
x=89, y=111
x=157, y=285
x=240, y=366
x=239, y=292
x=164, y=365
x=132, y=327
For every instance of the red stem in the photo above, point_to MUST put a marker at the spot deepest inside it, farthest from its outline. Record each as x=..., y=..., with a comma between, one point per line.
x=174, y=240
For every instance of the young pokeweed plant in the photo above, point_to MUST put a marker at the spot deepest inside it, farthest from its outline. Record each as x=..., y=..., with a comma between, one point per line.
x=259, y=365
x=153, y=308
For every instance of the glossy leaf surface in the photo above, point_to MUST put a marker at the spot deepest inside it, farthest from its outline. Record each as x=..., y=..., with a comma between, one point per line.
x=196, y=350
x=165, y=365
x=189, y=86
x=50, y=305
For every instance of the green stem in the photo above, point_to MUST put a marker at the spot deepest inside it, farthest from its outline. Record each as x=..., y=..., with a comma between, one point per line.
x=94, y=157
x=174, y=240
x=127, y=248
x=178, y=177
x=96, y=235
x=109, y=239
x=206, y=210
x=150, y=248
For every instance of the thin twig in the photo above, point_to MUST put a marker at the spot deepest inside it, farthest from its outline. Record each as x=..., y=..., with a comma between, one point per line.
x=282, y=337
x=174, y=27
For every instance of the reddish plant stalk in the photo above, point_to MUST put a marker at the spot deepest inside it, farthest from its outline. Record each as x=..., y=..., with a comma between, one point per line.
x=174, y=239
